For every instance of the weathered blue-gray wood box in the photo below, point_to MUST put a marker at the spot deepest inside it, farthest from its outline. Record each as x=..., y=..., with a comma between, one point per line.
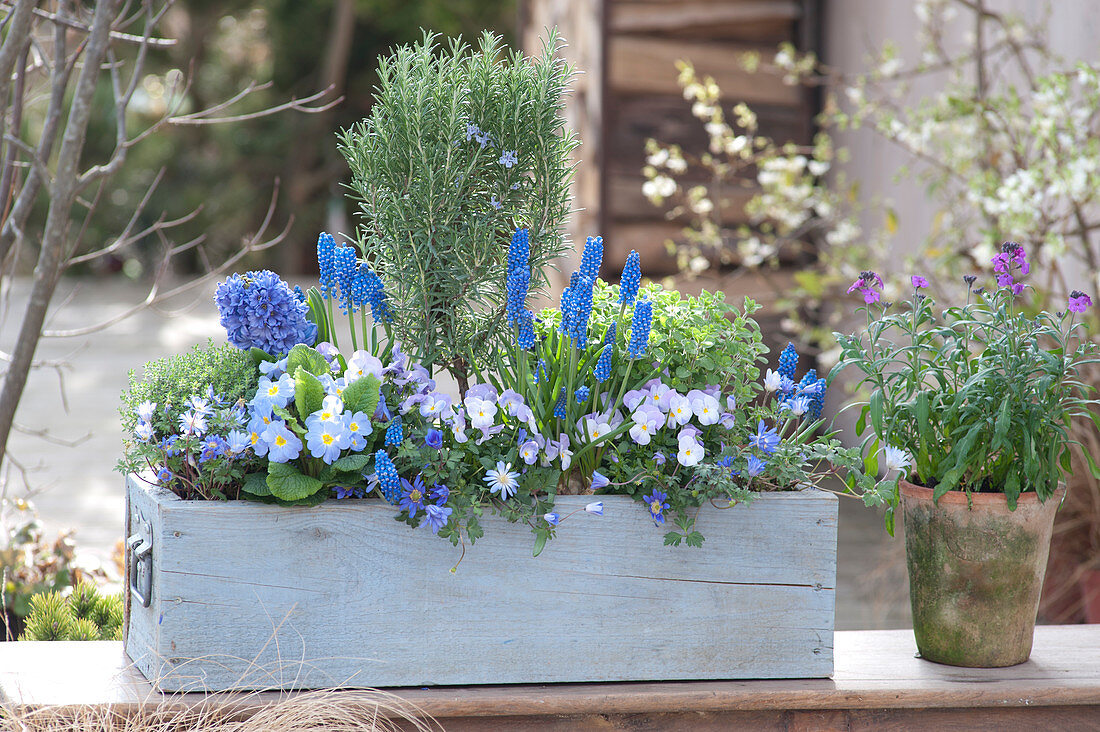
x=247, y=596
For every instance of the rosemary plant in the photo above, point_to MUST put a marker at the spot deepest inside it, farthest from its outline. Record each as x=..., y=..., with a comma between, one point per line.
x=462, y=147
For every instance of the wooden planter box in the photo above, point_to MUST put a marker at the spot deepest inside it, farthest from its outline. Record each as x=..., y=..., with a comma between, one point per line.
x=247, y=596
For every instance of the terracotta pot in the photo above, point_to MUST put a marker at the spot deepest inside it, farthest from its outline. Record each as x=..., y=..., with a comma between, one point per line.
x=975, y=573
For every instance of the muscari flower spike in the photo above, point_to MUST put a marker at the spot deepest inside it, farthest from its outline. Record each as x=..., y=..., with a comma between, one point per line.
x=525, y=337
x=632, y=277
x=344, y=262
x=581, y=394
x=388, y=481
x=326, y=247
x=377, y=299
x=518, y=276
x=395, y=433
x=559, y=407
x=788, y=360
x=639, y=328
x=602, y=370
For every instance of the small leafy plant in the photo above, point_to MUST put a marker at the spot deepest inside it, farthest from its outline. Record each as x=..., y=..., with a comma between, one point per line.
x=82, y=615
x=977, y=398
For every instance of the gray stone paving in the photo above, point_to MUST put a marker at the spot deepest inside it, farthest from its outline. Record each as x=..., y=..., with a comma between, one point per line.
x=77, y=487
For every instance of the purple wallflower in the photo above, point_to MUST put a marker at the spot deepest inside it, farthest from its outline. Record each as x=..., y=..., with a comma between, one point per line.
x=1079, y=301
x=866, y=285
x=918, y=282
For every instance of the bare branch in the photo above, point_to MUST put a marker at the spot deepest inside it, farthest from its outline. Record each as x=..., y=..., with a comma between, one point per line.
x=115, y=35
x=155, y=296
x=45, y=434
x=298, y=105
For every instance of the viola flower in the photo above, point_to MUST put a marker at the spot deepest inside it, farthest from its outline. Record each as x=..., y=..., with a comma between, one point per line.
x=482, y=412
x=501, y=479
x=435, y=405
x=866, y=285
x=647, y=421
x=595, y=428
x=347, y=491
x=596, y=508
x=283, y=445
x=765, y=439
x=896, y=458
x=1079, y=301
x=661, y=395
x=436, y=516
x=529, y=452
x=691, y=452
x=659, y=458
x=412, y=496
x=551, y=518
x=679, y=411
x=657, y=506
x=363, y=364
x=756, y=466
x=705, y=407
x=599, y=480
x=433, y=438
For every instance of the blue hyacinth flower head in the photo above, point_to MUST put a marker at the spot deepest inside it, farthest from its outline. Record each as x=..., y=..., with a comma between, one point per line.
x=259, y=310
x=299, y=294
x=788, y=360
x=602, y=370
x=631, y=279
x=592, y=258
x=344, y=262
x=559, y=407
x=388, y=481
x=639, y=328
x=326, y=248
x=519, y=275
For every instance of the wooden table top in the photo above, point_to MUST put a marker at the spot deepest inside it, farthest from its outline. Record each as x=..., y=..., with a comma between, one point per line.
x=874, y=670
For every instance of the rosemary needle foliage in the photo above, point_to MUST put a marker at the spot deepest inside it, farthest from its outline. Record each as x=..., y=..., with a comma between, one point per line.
x=462, y=147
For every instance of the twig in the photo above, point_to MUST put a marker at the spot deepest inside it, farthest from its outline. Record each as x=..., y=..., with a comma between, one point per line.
x=115, y=35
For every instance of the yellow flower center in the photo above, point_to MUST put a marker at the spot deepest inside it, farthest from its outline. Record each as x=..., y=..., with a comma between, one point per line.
x=655, y=507
x=326, y=438
x=280, y=441
x=414, y=496
x=353, y=426
x=255, y=437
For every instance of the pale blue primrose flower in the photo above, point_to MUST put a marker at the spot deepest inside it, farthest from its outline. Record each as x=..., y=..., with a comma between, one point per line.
x=501, y=479
x=274, y=393
x=331, y=408
x=326, y=439
x=282, y=444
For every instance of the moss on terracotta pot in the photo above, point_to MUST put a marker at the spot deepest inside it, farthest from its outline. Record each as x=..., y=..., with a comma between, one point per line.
x=975, y=573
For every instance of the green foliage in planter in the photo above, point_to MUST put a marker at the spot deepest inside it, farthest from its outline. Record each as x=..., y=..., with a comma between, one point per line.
x=194, y=463
x=462, y=147
x=84, y=615
x=172, y=380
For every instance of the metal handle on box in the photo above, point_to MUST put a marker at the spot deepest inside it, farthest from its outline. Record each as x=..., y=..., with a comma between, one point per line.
x=140, y=569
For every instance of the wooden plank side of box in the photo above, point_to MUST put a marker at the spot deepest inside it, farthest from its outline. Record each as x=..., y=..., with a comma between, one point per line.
x=254, y=596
